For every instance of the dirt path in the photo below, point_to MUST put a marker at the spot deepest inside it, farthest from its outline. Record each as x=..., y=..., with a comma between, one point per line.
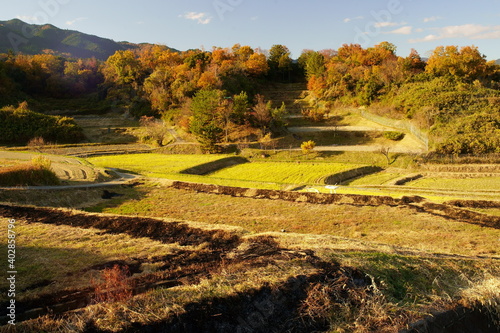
x=313, y=129
x=68, y=169
x=124, y=179
x=176, y=135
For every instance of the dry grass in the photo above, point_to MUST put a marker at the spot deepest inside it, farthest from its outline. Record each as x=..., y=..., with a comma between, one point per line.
x=163, y=303
x=76, y=198
x=485, y=293
x=37, y=172
x=398, y=226
x=67, y=250
x=406, y=281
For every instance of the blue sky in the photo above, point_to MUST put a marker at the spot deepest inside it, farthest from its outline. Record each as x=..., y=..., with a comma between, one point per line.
x=312, y=24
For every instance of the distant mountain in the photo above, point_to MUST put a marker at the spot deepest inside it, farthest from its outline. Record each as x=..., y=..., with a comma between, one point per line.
x=498, y=61
x=13, y=36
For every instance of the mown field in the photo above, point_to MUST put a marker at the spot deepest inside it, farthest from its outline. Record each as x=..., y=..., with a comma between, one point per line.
x=465, y=184
x=217, y=270
x=259, y=174
x=153, y=165
x=283, y=172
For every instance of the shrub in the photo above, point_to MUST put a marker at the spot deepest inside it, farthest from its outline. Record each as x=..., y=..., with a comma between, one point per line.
x=20, y=125
x=37, y=142
x=308, y=146
x=42, y=162
x=113, y=285
x=27, y=175
x=394, y=136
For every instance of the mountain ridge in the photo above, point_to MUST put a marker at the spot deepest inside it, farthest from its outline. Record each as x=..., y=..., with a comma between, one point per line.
x=22, y=37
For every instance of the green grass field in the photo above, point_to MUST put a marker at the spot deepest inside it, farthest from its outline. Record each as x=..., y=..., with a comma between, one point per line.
x=379, y=178
x=467, y=184
x=283, y=172
x=154, y=165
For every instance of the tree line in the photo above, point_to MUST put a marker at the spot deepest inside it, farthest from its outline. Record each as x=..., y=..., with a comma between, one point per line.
x=454, y=95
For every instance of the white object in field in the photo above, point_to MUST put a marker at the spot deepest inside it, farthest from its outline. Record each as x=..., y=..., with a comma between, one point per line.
x=332, y=188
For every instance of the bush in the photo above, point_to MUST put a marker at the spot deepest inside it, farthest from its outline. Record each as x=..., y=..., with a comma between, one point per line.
x=113, y=285
x=308, y=146
x=28, y=175
x=394, y=136
x=19, y=126
x=42, y=162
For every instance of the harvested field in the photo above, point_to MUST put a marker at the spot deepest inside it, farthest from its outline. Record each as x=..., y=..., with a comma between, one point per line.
x=222, y=250
x=66, y=168
x=217, y=280
x=450, y=212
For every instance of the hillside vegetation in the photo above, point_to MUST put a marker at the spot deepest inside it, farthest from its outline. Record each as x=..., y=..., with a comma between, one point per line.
x=453, y=96
x=60, y=41
x=20, y=125
x=217, y=95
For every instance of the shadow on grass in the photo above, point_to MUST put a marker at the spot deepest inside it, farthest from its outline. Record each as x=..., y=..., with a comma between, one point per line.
x=210, y=167
x=122, y=195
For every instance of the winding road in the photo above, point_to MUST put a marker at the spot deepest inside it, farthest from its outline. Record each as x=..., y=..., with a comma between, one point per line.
x=68, y=169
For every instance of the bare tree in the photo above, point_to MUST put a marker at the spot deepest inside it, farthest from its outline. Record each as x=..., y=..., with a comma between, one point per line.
x=385, y=151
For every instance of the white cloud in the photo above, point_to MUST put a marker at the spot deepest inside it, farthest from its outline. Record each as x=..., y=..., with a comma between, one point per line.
x=202, y=18
x=254, y=18
x=469, y=31
x=349, y=19
x=432, y=19
x=495, y=34
x=79, y=19
x=402, y=31
x=388, y=24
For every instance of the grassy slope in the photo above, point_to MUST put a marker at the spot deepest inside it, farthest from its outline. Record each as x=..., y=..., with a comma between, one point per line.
x=409, y=280
x=67, y=250
x=27, y=175
x=390, y=225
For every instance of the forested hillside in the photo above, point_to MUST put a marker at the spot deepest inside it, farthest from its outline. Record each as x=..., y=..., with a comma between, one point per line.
x=216, y=95
x=18, y=36
x=454, y=95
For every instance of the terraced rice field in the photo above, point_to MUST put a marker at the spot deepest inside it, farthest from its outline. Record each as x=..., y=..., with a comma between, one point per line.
x=380, y=178
x=283, y=172
x=154, y=165
x=467, y=184
x=248, y=174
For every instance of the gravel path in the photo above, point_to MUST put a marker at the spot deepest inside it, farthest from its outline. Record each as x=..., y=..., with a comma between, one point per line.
x=313, y=129
x=124, y=179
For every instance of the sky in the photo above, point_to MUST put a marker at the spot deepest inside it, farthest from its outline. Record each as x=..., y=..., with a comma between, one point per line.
x=298, y=24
